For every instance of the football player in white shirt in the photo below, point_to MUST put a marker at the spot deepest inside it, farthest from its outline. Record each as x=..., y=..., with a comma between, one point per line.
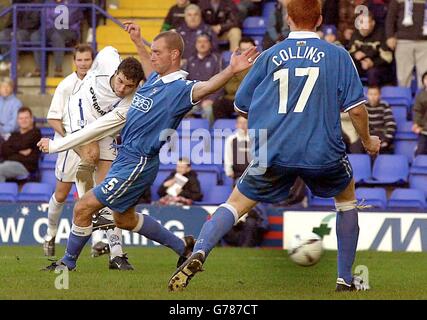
x=109, y=84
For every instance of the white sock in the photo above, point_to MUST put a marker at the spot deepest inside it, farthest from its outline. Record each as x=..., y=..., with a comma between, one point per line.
x=53, y=214
x=114, y=237
x=97, y=236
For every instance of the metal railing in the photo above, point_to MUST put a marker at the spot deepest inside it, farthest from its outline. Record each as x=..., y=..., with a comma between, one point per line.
x=16, y=47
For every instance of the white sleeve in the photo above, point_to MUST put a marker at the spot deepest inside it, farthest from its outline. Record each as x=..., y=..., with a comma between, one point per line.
x=106, y=62
x=57, y=106
x=108, y=125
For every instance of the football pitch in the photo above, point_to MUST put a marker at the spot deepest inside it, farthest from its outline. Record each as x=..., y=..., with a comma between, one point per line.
x=231, y=273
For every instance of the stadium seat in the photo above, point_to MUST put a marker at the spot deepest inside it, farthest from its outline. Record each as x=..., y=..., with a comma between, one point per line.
x=418, y=181
x=419, y=165
x=224, y=124
x=254, y=26
x=390, y=169
x=216, y=195
x=407, y=198
x=404, y=131
x=188, y=126
x=8, y=191
x=406, y=148
x=397, y=96
x=47, y=132
x=35, y=192
x=375, y=197
x=226, y=57
x=361, y=164
x=207, y=180
x=399, y=114
x=267, y=9
x=48, y=176
x=48, y=161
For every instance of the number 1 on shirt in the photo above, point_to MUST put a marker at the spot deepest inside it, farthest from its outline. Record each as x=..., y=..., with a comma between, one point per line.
x=283, y=77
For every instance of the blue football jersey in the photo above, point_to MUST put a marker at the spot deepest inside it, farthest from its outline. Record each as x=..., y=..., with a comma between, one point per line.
x=159, y=104
x=296, y=91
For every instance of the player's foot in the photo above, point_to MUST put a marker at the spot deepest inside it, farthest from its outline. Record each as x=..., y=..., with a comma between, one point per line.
x=49, y=246
x=357, y=284
x=103, y=221
x=186, y=272
x=57, y=265
x=120, y=263
x=189, y=245
x=99, y=249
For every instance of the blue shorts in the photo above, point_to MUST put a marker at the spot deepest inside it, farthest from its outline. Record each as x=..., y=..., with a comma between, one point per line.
x=126, y=181
x=272, y=185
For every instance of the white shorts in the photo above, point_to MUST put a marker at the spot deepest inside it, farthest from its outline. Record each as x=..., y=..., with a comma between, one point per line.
x=66, y=166
x=107, y=150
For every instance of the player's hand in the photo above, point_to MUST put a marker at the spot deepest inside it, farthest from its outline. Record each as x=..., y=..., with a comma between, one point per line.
x=243, y=61
x=372, y=146
x=134, y=31
x=43, y=145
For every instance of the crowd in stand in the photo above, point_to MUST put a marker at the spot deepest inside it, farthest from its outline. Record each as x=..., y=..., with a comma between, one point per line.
x=388, y=43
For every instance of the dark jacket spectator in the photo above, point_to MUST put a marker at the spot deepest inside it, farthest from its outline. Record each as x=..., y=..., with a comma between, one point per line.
x=277, y=27
x=420, y=117
x=20, y=151
x=175, y=16
x=371, y=54
x=222, y=16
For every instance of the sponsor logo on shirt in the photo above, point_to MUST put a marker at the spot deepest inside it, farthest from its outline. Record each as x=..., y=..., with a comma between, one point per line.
x=142, y=103
x=95, y=104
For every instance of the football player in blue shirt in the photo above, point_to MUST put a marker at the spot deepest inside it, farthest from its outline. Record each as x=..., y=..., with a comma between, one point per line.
x=296, y=91
x=158, y=106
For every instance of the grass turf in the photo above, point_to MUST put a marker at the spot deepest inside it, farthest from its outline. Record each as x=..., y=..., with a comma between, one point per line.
x=231, y=273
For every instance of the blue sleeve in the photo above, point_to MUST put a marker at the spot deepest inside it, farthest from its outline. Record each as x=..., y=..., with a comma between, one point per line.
x=350, y=86
x=11, y=124
x=243, y=98
x=182, y=100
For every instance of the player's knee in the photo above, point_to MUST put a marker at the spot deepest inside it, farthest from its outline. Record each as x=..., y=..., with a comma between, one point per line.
x=60, y=196
x=82, y=213
x=125, y=223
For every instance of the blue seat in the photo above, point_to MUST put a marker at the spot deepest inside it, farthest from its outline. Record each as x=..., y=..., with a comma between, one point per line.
x=216, y=195
x=188, y=126
x=8, y=191
x=254, y=26
x=399, y=113
x=47, y=132
x=419, y=165
x=397, y=96
x=407, y=198
x=48, y=161
x=406, y=148
x=361, y=164
x=224, y=124
x=404, y=131
x=226, y=57
x=390, y=169
x=418, y=181
x=376, y=197
x=267, y=9
x=35, y=192
x=48, y=176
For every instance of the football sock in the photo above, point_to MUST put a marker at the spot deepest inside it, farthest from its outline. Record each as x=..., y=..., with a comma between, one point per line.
x=114, y=237
x=151, y=229
x=97, y=236
x=347, y=229
x=216, y=228
x=53, y=213
x=76, y=241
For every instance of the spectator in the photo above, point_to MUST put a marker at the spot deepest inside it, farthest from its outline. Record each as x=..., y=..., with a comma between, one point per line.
x=379, y=10
x=181, y=186
x=20, y=151
x=346, y=19
x=329, y=34
x=222, y=16
x=175, y=16
x=9, y=106
x=192, y=27
x=371, y=55
x=237, y=150
x=406, y=32
x=224, y=106
x=60, y=38
x=249, y=8
x=277, y=28
x=381, y=119
x=250, y=229
x=27, y=30
x=420, y=117
x=203, y=65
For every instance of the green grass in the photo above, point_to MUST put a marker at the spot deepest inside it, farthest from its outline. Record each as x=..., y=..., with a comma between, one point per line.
x=230, y=274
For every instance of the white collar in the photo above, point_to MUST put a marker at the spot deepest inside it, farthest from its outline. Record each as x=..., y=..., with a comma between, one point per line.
x=303, y=35
x=180, y=74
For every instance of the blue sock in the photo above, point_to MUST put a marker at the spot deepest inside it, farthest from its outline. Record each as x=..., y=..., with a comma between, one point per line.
x=151, y=229
x=215, y=229
x=347, y=236
x=76, y=241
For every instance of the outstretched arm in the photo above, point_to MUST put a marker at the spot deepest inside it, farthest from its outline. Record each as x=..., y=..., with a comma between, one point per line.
x=238, y=63
x=134, y=31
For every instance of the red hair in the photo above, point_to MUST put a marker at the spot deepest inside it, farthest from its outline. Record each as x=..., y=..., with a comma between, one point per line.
x=304, y=13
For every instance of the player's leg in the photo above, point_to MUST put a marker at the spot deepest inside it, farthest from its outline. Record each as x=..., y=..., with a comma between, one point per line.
x=347, y=230
x=89, y=157
x=56, y=205
x=81, y=230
